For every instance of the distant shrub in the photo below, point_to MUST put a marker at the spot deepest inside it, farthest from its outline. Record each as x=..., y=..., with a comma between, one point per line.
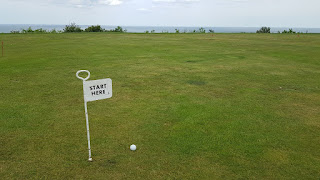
x=290, y=31
x=177, y=30
x=264, y=30
x=153, y=31
x=14, y=32
x=202, y=30
x=211, y=31
x=55, y=31
x=30, y=30
x=40, y=30
x=72, y=28
x=118, y=29
x=147, y=32
x=96, y=28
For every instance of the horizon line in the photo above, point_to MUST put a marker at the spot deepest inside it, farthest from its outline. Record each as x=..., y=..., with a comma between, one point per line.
x=175, y=26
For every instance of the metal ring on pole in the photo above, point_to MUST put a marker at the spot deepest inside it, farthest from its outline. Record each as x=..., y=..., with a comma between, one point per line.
x=83, y=79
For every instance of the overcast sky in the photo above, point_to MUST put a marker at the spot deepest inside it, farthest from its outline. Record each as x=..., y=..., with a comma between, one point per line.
x=209, y=13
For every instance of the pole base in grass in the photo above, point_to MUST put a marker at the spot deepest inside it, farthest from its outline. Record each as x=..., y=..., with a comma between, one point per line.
x=90, y=159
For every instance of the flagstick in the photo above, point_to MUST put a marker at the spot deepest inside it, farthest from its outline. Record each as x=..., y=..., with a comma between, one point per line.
x=88, y=133
x=85, y=108
x=90, y=93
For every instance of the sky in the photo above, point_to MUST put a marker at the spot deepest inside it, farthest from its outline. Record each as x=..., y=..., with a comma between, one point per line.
x=193, y=13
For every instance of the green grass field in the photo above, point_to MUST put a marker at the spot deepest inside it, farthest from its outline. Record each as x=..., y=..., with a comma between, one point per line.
x=227, y=106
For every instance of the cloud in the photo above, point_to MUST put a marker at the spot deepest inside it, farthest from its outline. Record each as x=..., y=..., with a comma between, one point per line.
x=175, y=1
x=87, y=3
x=111, y=2
x=240, y=1
x=144, y=9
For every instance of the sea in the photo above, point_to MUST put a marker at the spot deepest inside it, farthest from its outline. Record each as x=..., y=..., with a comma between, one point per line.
x=7, y=28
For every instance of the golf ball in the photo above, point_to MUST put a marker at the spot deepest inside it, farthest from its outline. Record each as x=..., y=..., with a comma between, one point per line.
x=133, y=147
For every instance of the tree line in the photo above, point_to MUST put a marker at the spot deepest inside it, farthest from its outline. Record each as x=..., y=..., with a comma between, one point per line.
x=73, y=28
x=267, y=30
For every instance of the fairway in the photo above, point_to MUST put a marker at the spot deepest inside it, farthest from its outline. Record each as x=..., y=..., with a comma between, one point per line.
x=197, y=106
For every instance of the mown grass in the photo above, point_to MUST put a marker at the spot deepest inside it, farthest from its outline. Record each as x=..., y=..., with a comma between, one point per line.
x=227, y=106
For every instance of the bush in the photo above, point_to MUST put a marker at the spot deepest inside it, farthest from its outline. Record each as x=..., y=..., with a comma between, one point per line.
x=30, y=30
x=54, y=31
x=288, y=32
x=118, y=29
x=177, y=30
x=202, y=30
x=264, y=30
x=14, y=32
x=72, y=28
x=211, y=30
x=40, y=30
x=96, y=28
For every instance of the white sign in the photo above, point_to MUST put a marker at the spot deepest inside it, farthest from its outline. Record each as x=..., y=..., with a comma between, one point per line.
x=97, y=89
x=92, y=91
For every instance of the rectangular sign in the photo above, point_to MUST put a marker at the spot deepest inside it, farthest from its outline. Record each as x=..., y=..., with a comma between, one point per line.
x=97, y=89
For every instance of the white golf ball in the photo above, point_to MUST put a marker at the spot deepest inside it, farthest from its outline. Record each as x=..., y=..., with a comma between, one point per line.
x=133, y=147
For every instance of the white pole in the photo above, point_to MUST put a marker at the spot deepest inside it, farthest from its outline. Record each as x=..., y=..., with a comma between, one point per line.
x=88, y=133
x=85, y=108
